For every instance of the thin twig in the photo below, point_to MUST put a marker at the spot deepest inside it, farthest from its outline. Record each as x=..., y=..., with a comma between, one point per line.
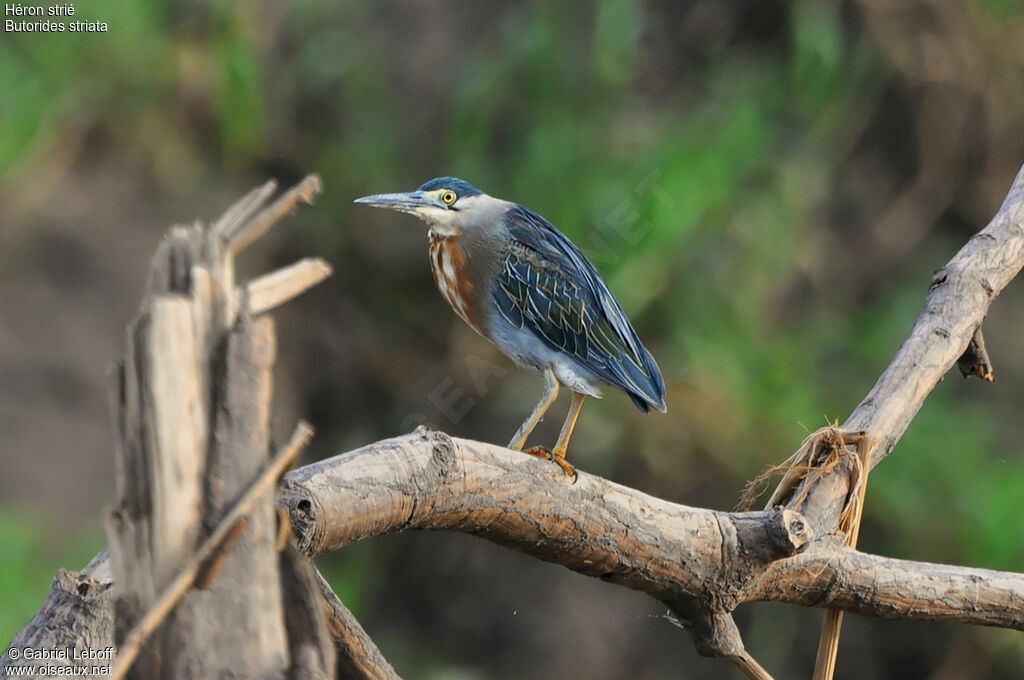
x=750, y=667
x=244, y=208
x=209, y=569
x=828, y=641
x=129, y=649
x=357, y=655
x=251, y=230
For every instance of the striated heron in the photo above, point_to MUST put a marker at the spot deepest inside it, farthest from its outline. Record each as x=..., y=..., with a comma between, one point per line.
x=520, y=283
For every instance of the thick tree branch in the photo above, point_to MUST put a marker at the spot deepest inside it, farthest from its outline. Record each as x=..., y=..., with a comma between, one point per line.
x=692, y=559
x=276, y=288
x=428, y=480
x=702, y=563
x=957, y=302
x=889, y=588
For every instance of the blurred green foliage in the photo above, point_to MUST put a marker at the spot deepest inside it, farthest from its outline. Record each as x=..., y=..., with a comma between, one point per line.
x=31, y=556
x=22, y=578
x=713, y=180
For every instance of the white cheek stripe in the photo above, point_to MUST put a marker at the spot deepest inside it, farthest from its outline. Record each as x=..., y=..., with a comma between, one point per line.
x=449, y=269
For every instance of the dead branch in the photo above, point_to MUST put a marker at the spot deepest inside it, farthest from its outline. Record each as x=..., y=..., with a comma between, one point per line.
x=958, y=300
x=310, y=625
x=828, y=641
x=192, y=535
x=215, y=546
x=274, y=289
x=206, y=583
x=947, y=331
x=701, y=563
x=888, y=588
x=693, y=559
x=357, y=656
x=239, y=231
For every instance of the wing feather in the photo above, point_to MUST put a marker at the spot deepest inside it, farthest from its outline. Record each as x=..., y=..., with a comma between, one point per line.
x=547, y=285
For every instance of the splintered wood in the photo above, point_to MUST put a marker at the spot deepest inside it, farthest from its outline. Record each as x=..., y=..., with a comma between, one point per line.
x=195, y=476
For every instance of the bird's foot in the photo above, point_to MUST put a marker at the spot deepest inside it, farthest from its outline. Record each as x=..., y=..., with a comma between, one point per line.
x=566, y=466
x=540, y=452
x=556, y=457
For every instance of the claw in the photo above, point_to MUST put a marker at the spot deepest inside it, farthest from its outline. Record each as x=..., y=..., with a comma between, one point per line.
x=556, y=457
x=567, y=467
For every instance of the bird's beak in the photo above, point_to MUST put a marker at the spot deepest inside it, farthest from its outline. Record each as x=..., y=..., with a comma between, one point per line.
x=412, y=202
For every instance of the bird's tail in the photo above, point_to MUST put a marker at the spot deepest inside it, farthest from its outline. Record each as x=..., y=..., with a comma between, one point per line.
x=651, y=392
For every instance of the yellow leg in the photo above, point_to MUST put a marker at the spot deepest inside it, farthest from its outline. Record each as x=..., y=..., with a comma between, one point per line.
x=558, y=453
x=570, y=424
x=550, y=394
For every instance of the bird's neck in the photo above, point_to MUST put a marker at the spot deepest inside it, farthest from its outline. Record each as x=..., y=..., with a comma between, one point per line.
x=451, y=268
x=438, y=232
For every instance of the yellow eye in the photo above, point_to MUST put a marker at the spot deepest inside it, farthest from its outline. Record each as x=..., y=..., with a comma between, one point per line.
x=448, y=197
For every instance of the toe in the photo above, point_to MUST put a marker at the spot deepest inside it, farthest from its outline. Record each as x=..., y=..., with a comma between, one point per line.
x=540, y=452
x=567, y=467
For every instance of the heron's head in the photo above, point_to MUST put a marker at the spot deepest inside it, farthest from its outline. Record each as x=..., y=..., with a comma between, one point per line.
x=449, y=205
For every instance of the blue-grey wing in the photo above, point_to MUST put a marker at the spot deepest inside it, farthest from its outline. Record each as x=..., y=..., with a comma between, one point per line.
x=546, y=284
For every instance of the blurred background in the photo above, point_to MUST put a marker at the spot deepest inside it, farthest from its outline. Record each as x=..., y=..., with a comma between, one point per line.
x=767, y=187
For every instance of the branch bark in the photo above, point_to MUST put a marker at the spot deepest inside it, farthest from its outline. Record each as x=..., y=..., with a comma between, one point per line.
x=702, y=563
x=203, y=566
